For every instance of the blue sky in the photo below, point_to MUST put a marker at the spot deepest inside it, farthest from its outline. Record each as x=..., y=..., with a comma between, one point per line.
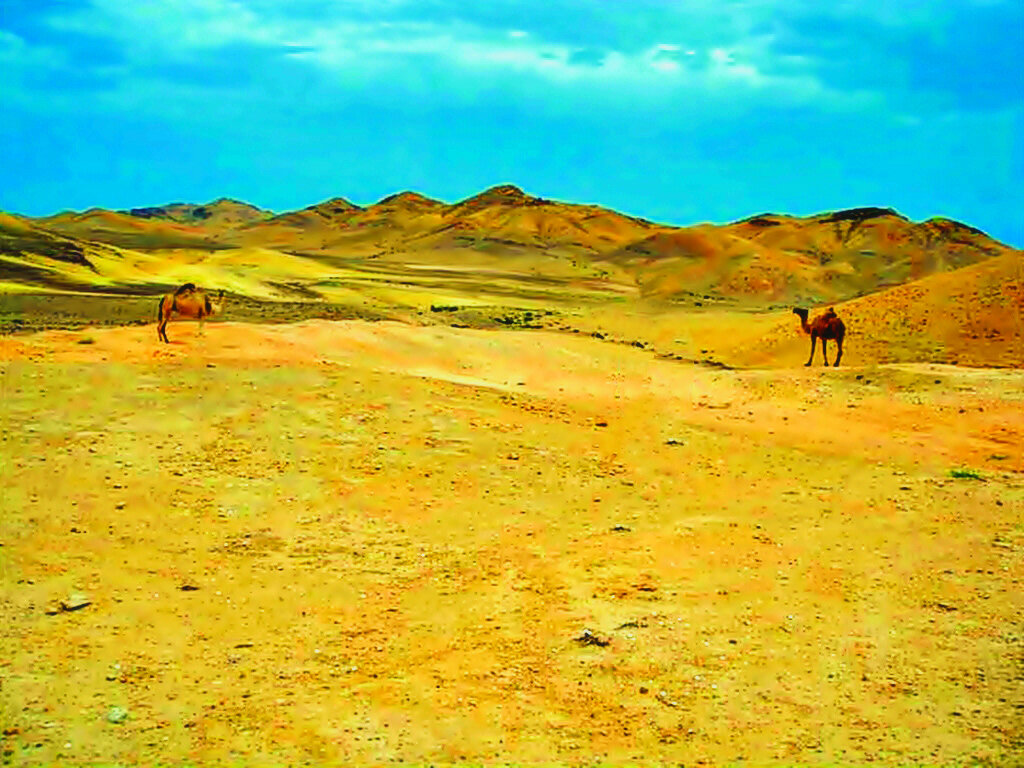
x=696, y=110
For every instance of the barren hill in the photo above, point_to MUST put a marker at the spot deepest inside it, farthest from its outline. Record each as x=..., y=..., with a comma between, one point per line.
x=970, y=316
x=765, y=259
x=176, y=225
x=497, y=247
x=219, y=216
x=828, y=257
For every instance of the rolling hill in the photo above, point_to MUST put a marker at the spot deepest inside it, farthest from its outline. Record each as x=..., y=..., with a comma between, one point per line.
x=176, y=225
x=932, y=290
x=829, y=257
x=765, y=259
x=969, y=316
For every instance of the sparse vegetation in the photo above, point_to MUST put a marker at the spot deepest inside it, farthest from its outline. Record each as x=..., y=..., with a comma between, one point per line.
x=966, y=474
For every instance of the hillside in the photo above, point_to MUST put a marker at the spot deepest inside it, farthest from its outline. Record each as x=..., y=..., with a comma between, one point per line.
x=35, y=258
x=970, y=316
x=760, y=261
x=828, y=257
x=177, y=225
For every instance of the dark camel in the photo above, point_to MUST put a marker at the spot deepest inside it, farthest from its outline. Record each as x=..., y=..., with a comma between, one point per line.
x=187, y=301
x=825, y=326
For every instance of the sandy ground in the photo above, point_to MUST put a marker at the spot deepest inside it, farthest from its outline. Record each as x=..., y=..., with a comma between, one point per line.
x=371, y=543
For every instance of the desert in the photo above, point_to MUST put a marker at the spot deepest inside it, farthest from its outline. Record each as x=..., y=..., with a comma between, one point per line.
x=509, y=481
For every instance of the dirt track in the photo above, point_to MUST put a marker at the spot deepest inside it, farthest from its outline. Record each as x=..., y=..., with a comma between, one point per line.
x=396, y=533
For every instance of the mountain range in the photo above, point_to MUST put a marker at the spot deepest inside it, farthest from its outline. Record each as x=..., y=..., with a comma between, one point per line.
x=765, y=259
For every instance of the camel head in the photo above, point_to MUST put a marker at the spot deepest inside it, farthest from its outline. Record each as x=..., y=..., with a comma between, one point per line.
x=802, y=314
x=217, y=305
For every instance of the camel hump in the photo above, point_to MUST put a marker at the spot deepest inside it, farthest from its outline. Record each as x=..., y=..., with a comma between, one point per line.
x=186, y=288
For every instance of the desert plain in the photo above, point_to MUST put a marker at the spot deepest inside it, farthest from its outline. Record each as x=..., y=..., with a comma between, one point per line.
x=506, y=500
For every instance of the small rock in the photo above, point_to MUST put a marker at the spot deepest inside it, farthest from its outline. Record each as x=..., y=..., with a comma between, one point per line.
x=117, y=715
x=188, y=588
x=662, y=696
x=673, y=441
x=74, y=602
x=114, y=673
x=621, y=528
x=589, y=638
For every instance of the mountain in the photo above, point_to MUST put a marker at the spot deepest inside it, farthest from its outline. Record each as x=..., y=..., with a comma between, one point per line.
x=176, y=225
x=827, y=257
x=220, y=215
x=769, y=258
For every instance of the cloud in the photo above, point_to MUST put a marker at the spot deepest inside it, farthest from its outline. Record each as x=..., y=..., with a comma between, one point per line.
x=218, y=41
x=959, y=54
x=706, y=59
x=375, y=87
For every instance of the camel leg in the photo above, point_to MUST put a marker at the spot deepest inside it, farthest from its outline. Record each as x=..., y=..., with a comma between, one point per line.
x=814, y=341
x=824, y=350
x=839, y=354
x=161, y=330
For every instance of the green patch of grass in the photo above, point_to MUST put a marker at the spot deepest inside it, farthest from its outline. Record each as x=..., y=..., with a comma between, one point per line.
x=965, y=474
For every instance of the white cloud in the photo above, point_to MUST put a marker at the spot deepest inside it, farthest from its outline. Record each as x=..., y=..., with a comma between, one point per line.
x=454, y=59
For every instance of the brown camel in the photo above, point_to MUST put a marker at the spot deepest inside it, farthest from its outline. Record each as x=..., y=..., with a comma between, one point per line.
x=825, y=326
x=187, y=301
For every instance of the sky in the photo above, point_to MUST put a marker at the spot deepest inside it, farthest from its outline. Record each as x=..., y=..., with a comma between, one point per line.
x=680, y=112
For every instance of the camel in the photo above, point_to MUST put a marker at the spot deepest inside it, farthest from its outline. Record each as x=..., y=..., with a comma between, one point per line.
x=825, y=326
x=187, y=301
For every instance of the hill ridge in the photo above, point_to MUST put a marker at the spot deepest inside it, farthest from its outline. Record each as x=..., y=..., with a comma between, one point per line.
x=765, y=258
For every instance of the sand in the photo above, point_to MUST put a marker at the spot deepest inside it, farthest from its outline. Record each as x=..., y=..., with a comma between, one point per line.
x=367, y=543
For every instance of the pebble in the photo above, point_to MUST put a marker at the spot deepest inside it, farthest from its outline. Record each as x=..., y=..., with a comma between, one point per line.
x=589, y=638
x=117, y=715
x=74, y=602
